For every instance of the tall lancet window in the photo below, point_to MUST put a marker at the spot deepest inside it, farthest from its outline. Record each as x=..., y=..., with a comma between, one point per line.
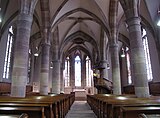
x=147, y=55
x=29, y=66
x=89, y=72
x=77, y=71
x=128, y=66
x=125, y=54
x=8, y=54
x=67, y=73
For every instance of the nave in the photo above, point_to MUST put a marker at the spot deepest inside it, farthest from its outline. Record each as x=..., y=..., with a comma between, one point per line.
x=80, y=109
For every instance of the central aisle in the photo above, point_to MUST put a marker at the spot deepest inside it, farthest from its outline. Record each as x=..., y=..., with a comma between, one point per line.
x=80, y=109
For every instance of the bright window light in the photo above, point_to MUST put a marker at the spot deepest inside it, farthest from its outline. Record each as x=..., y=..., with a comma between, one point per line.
x=36, y=54
x=158, y=23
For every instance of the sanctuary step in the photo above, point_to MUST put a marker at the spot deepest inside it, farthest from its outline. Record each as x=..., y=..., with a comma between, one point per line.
x=80, y=94
x=80, y=109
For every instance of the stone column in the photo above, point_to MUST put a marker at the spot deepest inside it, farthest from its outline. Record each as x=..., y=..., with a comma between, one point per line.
x=104, y=71
x=56, y=77
x=62, y=78
x=139, y=71
x=115, y=69
x=124, y=75
x=46, y=34
x=37, y=71
x=20, y=64
x=83, y=71
x=103, y=62
x=44, y=69
x=31, y=68
x=114, y=46
x=72, y=72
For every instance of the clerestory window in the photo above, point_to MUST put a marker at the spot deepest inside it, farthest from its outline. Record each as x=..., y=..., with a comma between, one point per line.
x=67, y=73
x=8, y=54
x=147, y=55
x=89, y=72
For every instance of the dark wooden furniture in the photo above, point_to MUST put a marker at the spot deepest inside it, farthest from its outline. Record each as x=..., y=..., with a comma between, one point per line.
x=5, y=88
x=123, y=106
x=153, y=88
x=13, y=116
x=37, y=106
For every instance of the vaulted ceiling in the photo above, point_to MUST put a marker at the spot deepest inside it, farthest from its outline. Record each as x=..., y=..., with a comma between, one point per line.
x=81, y=24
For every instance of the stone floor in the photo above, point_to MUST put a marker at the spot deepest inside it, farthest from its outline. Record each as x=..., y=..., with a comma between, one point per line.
x=80, y=109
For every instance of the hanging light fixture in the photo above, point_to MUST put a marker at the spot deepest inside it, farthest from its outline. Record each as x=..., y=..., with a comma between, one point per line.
x=36, y=52
x=51, y=66
x=123, y=53
x=158, y=22
x=0, y=17
x=108, y=67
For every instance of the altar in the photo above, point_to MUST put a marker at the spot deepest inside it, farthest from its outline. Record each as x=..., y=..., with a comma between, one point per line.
x=80, y=94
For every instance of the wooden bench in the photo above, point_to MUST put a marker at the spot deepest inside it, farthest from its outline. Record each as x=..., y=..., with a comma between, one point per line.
x=5, y=88
x=153, y=88
x=99, y=102
x=14, y=116
x=134, y=111
x=51, y=106
x=148, y=115
x=112, y=106
x=36, y=110
x=131, y=107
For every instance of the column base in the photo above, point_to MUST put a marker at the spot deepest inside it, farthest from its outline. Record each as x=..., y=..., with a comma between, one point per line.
x=142, y=92
x=18, y=91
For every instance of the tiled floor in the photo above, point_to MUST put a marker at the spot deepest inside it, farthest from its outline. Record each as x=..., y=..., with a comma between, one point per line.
x=80, y=109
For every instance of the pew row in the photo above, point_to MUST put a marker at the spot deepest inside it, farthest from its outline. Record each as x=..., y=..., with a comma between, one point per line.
x=153, y=89
x=5, y=88
x=149, y=116
x=122, y=106
x=14, y=116
x=38, y=106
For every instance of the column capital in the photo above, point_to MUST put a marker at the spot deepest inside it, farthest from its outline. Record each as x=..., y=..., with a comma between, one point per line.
x=46, y=44
x=27, y=6
x=56, y=61
x=133, y=20
x=130, y=7
x=103, y=61
x=113, y=45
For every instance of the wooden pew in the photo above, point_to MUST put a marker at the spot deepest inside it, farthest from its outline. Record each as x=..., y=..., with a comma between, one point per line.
x=14, y=116
x=32, y=111
x=99, y=102
x=134, y=111
x=130, y=108
x=153, y=88
x=112, y=106
x=18, y=105
x=148, y=115
x=5, y=88
x=51, y=106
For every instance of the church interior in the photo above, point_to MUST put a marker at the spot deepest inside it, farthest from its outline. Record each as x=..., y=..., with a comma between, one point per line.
x=80, y=58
